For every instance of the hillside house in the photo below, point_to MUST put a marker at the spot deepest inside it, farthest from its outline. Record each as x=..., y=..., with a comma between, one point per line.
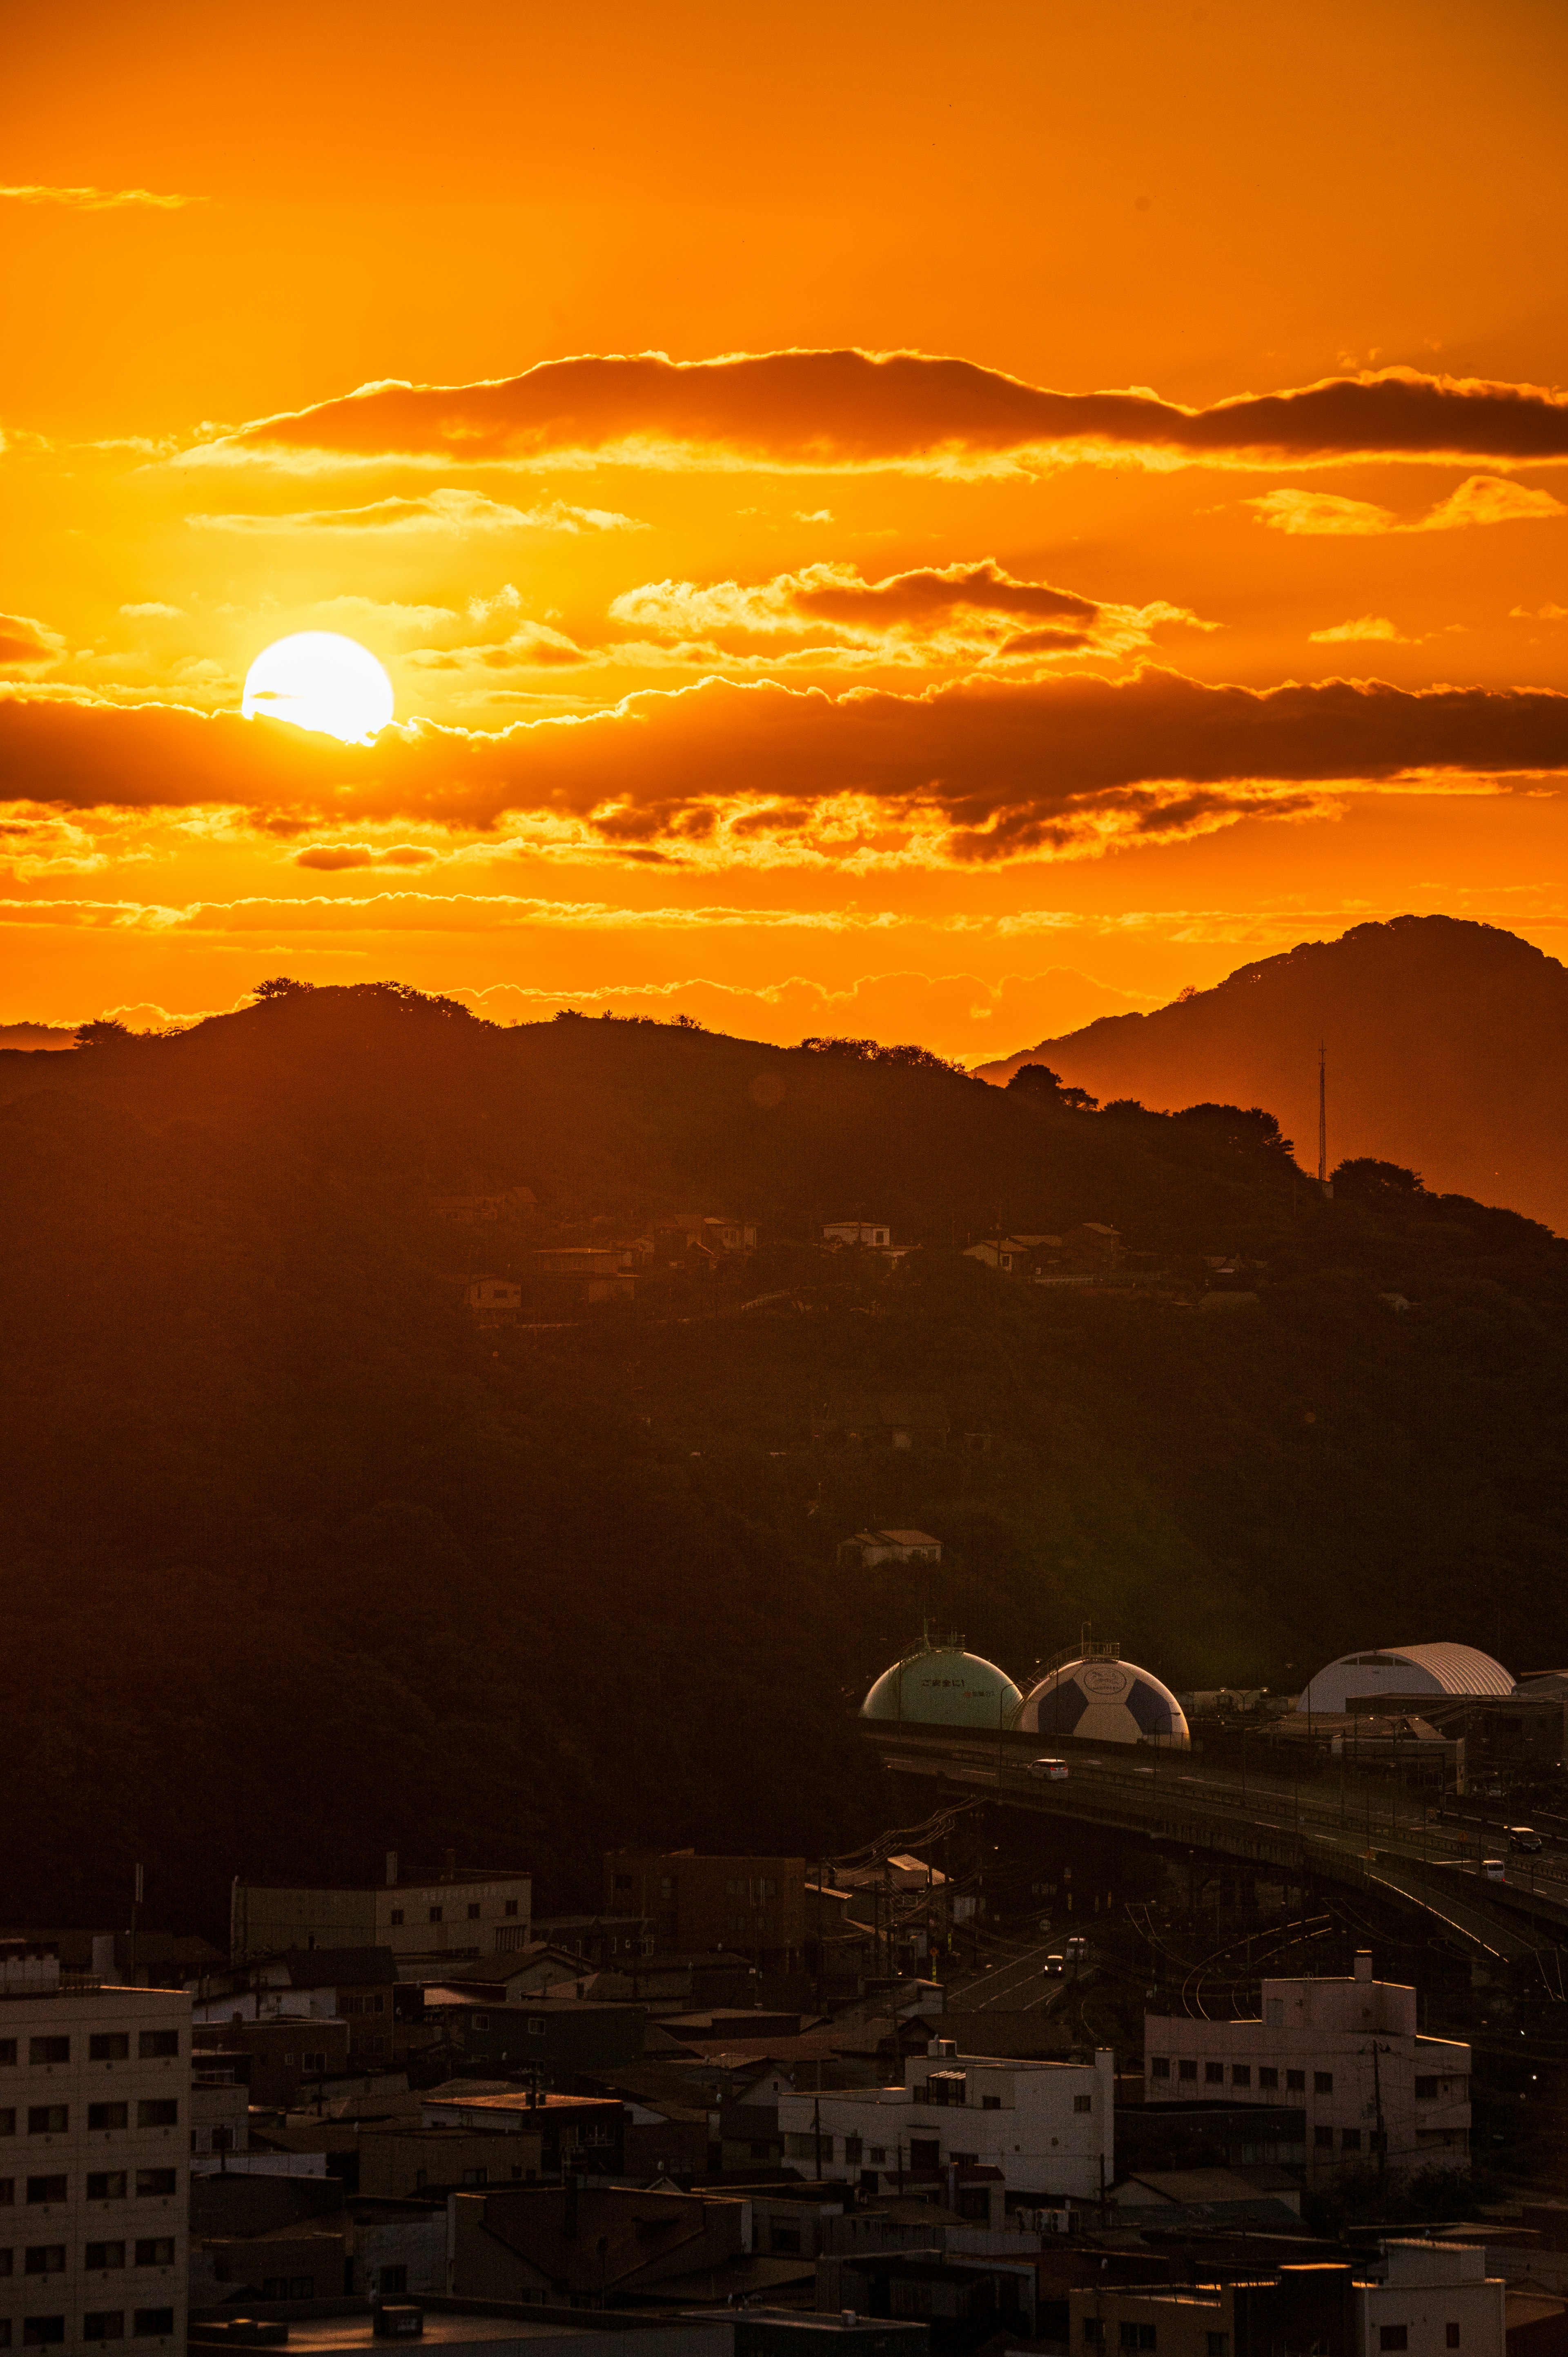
x=896, y=1420
x=869, y=1547
x=492, y=1299
x=484, y=1211
x=857, y=1231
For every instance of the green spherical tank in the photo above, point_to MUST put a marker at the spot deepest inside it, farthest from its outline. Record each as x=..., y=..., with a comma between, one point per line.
x=940, y=1684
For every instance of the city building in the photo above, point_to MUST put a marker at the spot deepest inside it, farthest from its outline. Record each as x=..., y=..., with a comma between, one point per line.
x=598, y=1940
x=753, y=1907
x=492, y=1297
x=281, y=2057
x=1431, y=2299
x=449, y=1916
x=1048, y=2128
x=1345, y=2051
x=358, y=1986
x=588, y=2247
x=585, y=2131
x=857, y=1231
x=95, y=2113
x=1269, y=2311
x=554, y=2038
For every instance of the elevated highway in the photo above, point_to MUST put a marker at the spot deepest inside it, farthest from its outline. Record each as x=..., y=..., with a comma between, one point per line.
x=1367, y=1836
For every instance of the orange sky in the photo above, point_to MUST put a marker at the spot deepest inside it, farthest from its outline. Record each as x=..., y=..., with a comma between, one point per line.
x=797, y=692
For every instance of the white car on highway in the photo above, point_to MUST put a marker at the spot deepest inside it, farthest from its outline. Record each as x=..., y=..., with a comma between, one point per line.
x=1049, y=1772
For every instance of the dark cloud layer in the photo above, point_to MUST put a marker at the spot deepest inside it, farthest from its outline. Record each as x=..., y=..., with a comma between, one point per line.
x=929, y=596
x=985, y=770
x=853, y=408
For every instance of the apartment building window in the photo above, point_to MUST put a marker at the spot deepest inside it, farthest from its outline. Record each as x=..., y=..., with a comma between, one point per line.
x=1295, y=2082
x=1268, y=2077
x=1274, y=2013
x=472, y=1910
x=7, y=2050
x=5, y=2262
x=1350, y=2140
x=1187, y=2069
x=1394, y=2336
x=767, y=1886
x=435, y=1914
x=991, y=2103
x=157, y=2323
x=1426, y=2091
x=1218, y=2344
x=393, y=2282
x=1324, y=2139
x=103, y=2254
x=7, y=2123
x=1093, y=2333
x=1241, y=2074
x=104, y=2324
x=1138, y=2336
x=151, y=2182
x=1083, y=2102
x=666, y=1886
x=44, y=2259
x=1451, y=2336
x=7, y=2191
x=735, y=1887
x=106, y=2185
x=511, y=1910
x=734, y=1922
x=153, y=2045
x=109, y=2045
x=397, y=1915
x=46, y=2188
x=49, y=2050
x=1323, y=2082
x=48, y=2119
x=42, y=2331
x=1214, y=2074
x=853, y=2150
x=160, y=2112
x=1159, y=2066
x=108, y=2116
x=155, y=2251
x=536, y=2029
x=879, y=2154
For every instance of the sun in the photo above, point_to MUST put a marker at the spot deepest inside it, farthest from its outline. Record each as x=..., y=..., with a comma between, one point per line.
x=320, y=680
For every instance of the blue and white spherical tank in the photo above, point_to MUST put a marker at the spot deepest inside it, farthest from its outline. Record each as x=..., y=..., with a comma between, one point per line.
x=1100, y=1699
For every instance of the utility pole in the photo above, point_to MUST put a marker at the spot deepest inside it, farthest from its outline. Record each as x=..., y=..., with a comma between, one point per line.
x=1323, y=1117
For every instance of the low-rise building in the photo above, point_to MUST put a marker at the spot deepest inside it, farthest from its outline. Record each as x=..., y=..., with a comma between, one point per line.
x=874, y=1232
x=752, y=1907
x=282, y=2057
x=1047, y=2128
x=912, y=1420
x=1346, y=2052
x=455, y=1914
x=95, y=2108
x=598, y=1940
x=1429, y=2298
x=574, y=2131
x=554, y=2038
x=1268, y=2310
x=585, y=2247
x=492, y=1299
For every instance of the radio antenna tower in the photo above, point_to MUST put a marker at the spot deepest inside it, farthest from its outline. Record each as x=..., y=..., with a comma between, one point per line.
x=1322, y=1117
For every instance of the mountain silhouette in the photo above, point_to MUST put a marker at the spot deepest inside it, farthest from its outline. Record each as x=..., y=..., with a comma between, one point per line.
x=1446, y=1046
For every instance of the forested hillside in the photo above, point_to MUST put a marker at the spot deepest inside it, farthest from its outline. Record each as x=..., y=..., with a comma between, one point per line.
x=300, y=1562
x=1446, y=1045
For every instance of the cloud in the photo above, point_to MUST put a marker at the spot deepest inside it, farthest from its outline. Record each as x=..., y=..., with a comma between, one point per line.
x=153, y=611
x=445, y=510
x=975, y=770
x=1365, y=626
x=1481, y=499
x=334, y=855
x=967, y=613
x=24, y=641
x=100, y=200
x=532, y=645
x=1547, y=613
x=819, y=411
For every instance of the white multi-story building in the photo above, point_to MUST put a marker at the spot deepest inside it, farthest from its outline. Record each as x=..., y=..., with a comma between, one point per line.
x=1344, y=2051
x=1048, y=2127
x=1433, y=2298
x=94, y=2168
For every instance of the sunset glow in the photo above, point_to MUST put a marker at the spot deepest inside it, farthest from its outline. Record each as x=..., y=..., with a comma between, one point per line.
x=322, y=681
x=805, y=609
